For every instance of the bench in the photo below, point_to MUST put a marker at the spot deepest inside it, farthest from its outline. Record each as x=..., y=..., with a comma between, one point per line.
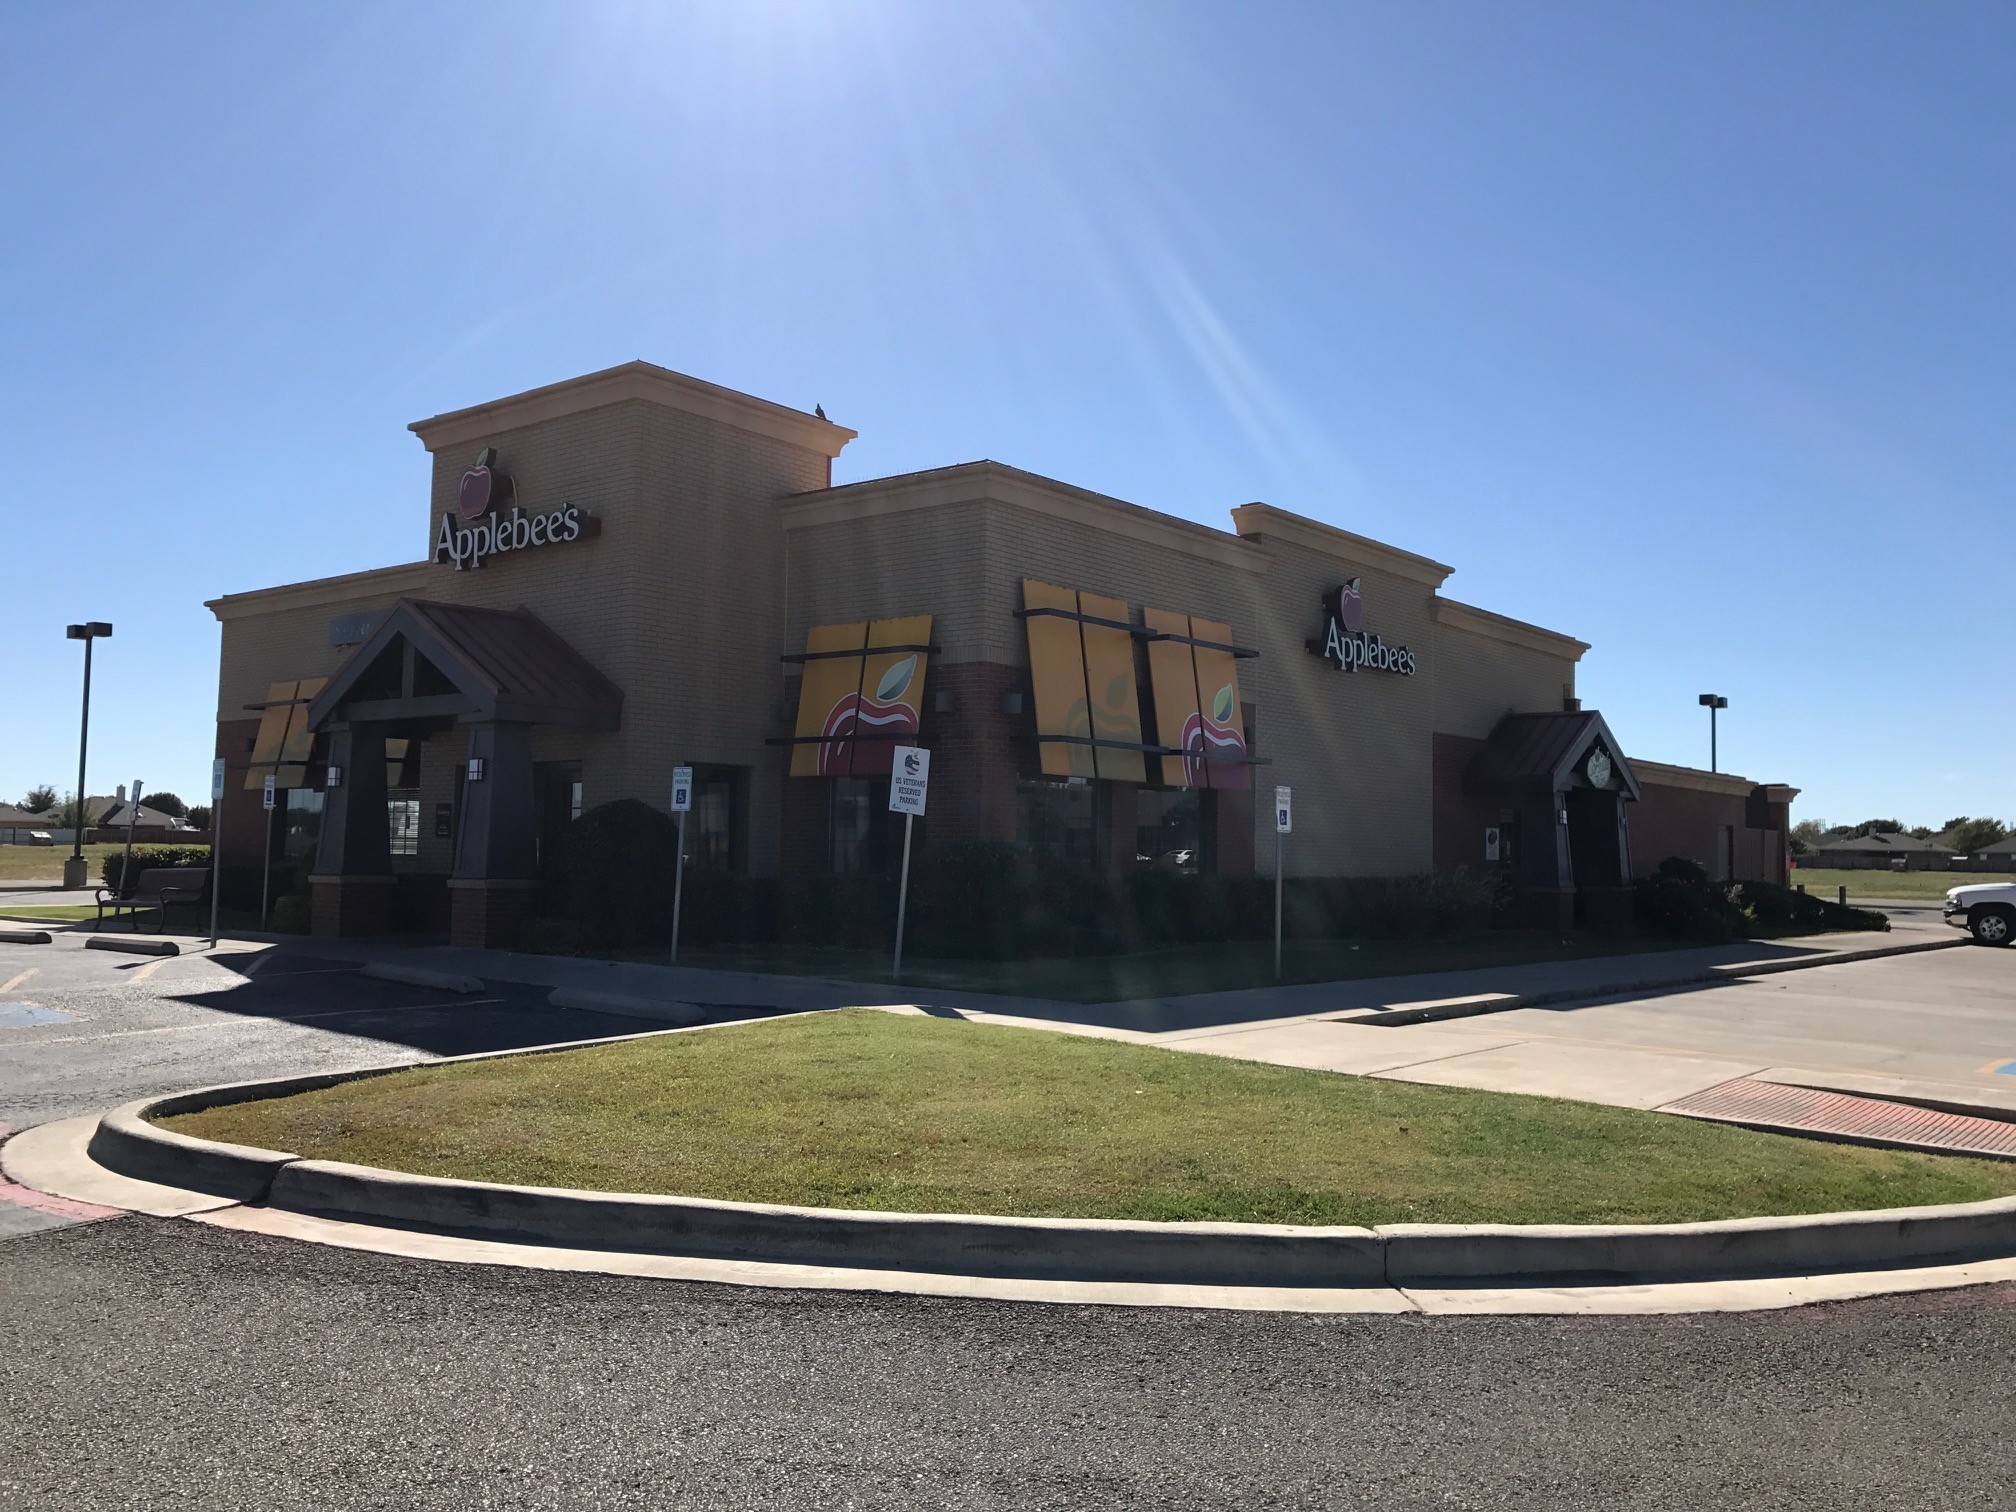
x=158, y=887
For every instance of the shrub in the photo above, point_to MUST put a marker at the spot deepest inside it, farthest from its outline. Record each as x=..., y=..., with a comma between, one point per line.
x=612, y=875
x=293, y=913
x=545, y=936
x=1786, y=909
x=1678, y=900
x=147, y=857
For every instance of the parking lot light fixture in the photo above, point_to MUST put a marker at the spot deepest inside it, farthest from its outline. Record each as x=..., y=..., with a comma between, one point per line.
x=75, y=872
x=1712, y=702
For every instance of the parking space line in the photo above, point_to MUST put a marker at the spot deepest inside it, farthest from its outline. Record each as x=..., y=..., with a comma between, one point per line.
x=151, y=967
x=16, y=980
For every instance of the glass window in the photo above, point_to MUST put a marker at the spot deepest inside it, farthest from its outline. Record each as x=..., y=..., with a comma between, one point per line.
x=1169, y=831
x=1063, y=818
x=852, y=848
x=302, y=824
x=714, y=828
x=402, y=812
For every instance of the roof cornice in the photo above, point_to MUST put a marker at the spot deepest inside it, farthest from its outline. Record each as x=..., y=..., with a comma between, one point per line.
x=1694, y=778
x=402, y=581
x=1266, y=522
x=633, y=380
x=1475, y=621
x=996, y=482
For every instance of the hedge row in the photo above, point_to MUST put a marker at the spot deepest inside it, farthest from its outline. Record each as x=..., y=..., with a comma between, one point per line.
x=147, y=858
x=1680, y=901
x=611, y=888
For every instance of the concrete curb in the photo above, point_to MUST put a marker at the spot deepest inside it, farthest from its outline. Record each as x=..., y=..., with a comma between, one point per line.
x=956, y=1243
x=1027, y=1248
x=624, y=1004
x=1438, y=1009
x=25, y=937
x=421, y=976
x=133, y=945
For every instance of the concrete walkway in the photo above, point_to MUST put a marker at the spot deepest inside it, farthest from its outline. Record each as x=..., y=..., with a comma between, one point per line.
x=1155, y=1019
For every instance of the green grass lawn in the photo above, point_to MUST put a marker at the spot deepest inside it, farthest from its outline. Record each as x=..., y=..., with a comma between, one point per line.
x=49, y=911
x=44, y=863
x=1931, y=885
x=1186, y=969
x=864, y=1109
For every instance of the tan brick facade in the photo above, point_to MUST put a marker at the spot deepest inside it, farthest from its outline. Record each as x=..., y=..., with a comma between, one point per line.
x=721, y=544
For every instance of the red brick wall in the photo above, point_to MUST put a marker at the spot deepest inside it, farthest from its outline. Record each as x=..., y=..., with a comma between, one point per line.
x=1680, y=821
x=1460, y=818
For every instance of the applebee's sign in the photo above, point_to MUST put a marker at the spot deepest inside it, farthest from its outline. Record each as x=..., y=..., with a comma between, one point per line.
x=1344, y=643
x=485, y=531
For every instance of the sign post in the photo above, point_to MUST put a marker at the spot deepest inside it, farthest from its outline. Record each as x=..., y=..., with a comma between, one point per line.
x=909, y=782
x=126, y=865
x=1283, y=823
x=216, y=838
x=266, y=874
x=682, y=803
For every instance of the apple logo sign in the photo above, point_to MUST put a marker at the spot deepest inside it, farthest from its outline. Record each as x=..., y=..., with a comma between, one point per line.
x=1351, y=606
x=483, y=486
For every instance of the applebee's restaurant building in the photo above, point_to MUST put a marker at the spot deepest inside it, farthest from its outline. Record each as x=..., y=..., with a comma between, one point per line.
x=636, y=570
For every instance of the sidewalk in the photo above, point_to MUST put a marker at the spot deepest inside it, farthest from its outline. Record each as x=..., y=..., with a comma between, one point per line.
x=1154, y=1019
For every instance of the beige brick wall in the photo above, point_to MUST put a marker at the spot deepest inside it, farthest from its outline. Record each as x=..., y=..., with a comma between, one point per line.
x=1479, y=680
x=678, y=600
x=707, y=570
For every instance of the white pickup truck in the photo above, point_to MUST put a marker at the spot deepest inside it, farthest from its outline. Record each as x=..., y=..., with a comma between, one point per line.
x=1986, y=910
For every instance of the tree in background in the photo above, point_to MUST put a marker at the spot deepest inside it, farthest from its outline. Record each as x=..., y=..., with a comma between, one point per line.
x=1877, y=827
x=1969, y=835
x=64, y=815
x=165, y=803
x=40, y=799
x=198, y=817
x=1807, y=834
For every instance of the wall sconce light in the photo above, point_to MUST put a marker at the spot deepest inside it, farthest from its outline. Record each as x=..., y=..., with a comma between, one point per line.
x=335, y=778
x=475, y=768
x=943, y=702
x=1011, y=703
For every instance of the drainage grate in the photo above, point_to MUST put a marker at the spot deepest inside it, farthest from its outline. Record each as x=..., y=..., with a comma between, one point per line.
x=1869, y=1120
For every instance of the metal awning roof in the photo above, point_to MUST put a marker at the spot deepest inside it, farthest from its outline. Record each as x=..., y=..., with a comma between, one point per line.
x=504, y=664
x=1540, y=752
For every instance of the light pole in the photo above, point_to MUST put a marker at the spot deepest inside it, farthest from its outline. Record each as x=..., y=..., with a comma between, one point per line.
x=75, y=872
x=1711, y=702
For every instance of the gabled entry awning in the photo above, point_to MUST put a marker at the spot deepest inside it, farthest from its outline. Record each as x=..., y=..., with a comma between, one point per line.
x=1548, y=753
x=430, y=660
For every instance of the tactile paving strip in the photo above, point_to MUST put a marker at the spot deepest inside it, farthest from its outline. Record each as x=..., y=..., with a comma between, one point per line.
x=1807, y=1110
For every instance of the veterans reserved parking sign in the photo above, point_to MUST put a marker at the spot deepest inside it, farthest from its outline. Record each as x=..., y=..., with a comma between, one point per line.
x=909, y=780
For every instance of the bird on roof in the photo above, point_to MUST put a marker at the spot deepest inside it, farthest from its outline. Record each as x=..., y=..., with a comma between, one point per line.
x=819, y=410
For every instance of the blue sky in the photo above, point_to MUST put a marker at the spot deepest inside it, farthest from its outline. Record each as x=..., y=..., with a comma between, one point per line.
x=1689, y=330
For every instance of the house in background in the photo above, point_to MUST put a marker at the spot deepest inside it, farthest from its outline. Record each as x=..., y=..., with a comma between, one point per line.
x=2001, y=856
x=1886, y=851
x=17, y=824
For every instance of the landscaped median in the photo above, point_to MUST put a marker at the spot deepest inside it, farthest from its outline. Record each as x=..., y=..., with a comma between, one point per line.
x=875, y=1140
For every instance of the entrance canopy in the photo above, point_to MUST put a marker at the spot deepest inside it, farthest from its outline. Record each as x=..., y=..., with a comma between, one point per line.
x=1550, y=753
x=432, y=661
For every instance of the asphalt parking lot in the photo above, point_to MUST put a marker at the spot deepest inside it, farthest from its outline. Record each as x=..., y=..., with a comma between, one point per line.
x=82, y=1030
x=163, y=1365
x=149, y=1363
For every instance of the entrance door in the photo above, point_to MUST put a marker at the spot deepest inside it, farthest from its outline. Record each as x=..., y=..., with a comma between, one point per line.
x=557, y=790
x=1595, y=851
